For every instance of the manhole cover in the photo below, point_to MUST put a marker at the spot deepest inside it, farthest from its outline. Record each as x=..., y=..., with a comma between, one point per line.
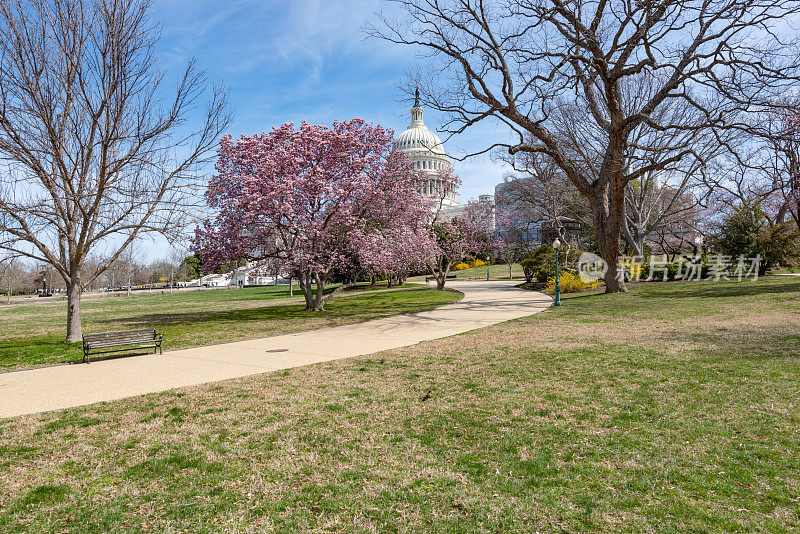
x=277, y=350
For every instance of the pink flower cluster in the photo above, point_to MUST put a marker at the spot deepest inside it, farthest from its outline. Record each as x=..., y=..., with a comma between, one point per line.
x=319, y=200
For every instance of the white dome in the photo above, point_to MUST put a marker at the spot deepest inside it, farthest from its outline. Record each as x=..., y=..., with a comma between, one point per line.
x=419, y=138
x=425, y=150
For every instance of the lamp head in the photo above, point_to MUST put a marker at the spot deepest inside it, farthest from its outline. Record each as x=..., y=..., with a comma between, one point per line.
x=556, y=244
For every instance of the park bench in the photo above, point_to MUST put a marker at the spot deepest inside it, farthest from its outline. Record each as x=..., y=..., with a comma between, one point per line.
x=122, y=340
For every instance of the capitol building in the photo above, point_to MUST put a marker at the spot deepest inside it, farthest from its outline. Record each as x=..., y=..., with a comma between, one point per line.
x=425, y=149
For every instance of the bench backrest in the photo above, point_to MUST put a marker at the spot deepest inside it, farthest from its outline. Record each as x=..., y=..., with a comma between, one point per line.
x=122, y=337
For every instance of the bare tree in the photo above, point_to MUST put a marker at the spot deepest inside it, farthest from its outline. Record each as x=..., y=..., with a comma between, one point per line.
x=540, y=195
x=772, y=171
x=654, y=208
x=520, y=62
x=686, y=229
x=95, y=156
x=11, y=269
x=115, y=274
x=651, y=202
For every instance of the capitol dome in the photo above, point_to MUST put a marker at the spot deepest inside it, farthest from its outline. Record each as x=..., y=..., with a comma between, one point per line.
x=419, y=138
x=425, y=149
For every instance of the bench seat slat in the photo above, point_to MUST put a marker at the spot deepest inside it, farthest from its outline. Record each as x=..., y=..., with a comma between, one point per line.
x=121, y=338
x=143, y=337
x=118, y=341
x=102, y=345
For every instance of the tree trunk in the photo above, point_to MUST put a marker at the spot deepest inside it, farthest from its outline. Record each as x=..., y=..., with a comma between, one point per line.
x=441, y=276
x=319, y=298
x=74, y=290
x=633, y=237
x=304, y=278
x=608, y=213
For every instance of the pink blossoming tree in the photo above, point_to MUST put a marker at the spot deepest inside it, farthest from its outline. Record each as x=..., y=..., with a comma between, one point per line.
x=317, y=199
x=453, y=239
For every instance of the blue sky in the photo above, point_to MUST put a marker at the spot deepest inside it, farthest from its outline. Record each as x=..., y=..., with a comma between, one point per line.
x=305, y=60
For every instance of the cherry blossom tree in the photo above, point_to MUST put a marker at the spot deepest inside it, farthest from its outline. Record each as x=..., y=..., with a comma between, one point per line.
x=455, y=238
x=398, y=251
x=784, y=165
x=318, y=199
x=398, y=240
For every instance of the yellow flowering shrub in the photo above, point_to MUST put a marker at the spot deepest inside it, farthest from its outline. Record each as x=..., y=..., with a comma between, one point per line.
x=460, y=266
x=477, y=263
x=570, y=283
x=633, y=268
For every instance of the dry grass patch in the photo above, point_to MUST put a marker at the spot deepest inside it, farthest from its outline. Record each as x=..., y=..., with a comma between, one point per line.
x=601, y=415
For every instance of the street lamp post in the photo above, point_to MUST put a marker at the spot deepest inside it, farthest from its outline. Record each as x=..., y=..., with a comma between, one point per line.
x=556, y=246
x=488, y=261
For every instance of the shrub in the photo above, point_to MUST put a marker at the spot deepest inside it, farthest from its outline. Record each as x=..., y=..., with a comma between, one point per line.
x=528, y=269
x=477, y=263
x=569, y=283
x=460, y=266
x=746, y=231
x=540, y=265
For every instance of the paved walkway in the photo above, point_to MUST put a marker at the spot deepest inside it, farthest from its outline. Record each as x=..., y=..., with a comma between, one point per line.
x=53, y=388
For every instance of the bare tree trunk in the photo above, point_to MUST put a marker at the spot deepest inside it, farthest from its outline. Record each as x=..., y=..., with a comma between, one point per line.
x=74, y=290
x=633, y=237
x=10, y=280
x=608, y=218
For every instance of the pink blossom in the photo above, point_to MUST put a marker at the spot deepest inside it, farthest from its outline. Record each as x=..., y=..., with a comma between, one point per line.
x=319, y=200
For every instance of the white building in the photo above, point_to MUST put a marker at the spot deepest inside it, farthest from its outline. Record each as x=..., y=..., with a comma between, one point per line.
x=425, y=149
x=252, y=274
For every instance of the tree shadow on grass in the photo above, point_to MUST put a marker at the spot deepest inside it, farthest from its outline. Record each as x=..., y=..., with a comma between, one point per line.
x=199, y=317
x=365, y=307
x=16, y=353
x=700, y=288
x=709, y=289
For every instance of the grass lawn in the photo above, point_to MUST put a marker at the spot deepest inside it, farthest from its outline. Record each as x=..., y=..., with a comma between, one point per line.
x=33, y=333
x=674, y=407
x=788, y=270
x=496, y=272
